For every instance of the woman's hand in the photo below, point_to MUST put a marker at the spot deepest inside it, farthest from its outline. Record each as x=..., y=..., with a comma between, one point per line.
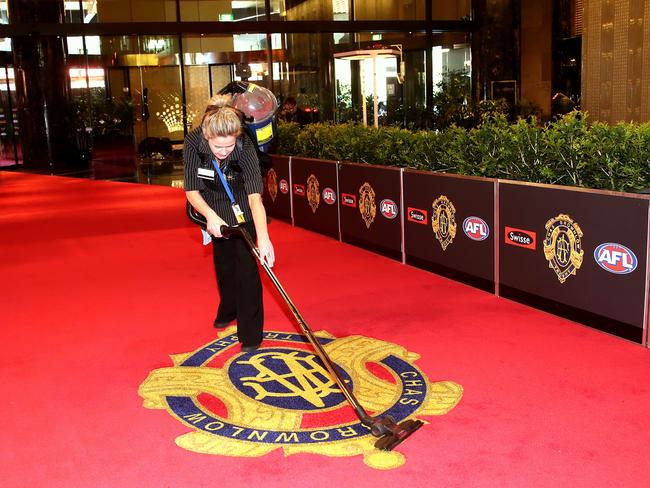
x=267, y=254
x=214, y=223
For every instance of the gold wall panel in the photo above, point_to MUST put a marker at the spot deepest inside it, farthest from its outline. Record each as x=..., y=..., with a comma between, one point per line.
x=616, y=60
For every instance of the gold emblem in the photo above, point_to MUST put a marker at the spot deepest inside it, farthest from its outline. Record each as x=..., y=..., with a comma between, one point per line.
x=272, y=183
x=367, y=205
x=563, y=246
x=306, y=379
x=263, y=396
x=313, y=193
x=443, y=221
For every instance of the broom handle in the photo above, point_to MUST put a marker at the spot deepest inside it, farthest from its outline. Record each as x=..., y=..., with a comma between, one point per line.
x=361, y=413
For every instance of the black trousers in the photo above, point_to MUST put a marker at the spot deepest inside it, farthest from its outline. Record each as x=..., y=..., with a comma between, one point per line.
x=240, y=287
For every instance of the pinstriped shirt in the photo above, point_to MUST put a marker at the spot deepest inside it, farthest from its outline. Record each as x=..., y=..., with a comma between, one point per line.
x=241, y=168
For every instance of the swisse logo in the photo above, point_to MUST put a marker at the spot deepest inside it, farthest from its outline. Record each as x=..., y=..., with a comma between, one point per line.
x=476, y=228
x=348, y=200
x=417, y=215
x=299, y=190
x=284, y=186
x=615, y=258
x=521, y=238
x=329, y=196
x=388, y=208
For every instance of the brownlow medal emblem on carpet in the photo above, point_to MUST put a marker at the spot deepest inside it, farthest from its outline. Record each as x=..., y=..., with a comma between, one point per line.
x=443, y=221
x=272, y=183
x=563, y=246
x=313, y=192
x=367, y=205
x=282, y=397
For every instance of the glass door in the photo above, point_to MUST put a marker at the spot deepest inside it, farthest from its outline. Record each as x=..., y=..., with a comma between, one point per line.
x=220, y=76
x=10, y=153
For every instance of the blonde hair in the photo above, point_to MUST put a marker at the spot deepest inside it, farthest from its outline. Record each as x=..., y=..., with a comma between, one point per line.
x=220, y=119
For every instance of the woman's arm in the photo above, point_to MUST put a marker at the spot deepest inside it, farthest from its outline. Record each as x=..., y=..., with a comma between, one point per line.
x=264, y=244
x=214, y=222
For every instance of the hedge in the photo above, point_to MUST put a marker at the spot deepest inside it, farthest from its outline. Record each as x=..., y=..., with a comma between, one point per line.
x=569, y=151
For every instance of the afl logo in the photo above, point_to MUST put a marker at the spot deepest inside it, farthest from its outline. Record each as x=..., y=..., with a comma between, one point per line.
x=615, y=258
x=284, y=186
x=329, y=196
x=476, y=228
x=282, y=397
x=388, y=208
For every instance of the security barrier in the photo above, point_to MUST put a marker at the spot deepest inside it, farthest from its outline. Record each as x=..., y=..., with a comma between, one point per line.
x=370, y=199
x=277, y=194
x=580, y=254
x=314, y=189
x=448, y=226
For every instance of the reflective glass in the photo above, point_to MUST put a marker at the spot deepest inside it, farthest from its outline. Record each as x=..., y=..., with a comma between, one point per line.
x=391, y=68
x=233, y=11
x=4, y=13
x=302, y=69
x=81, y=45
x=80, y=11
x=131, y=11
x=451, y=53
x=211, y=62
x=292, y=10
x=391, y=10
x=451, y=9
x=10, y=153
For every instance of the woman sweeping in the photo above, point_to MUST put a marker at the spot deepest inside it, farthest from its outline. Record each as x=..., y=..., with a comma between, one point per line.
x=224, y=184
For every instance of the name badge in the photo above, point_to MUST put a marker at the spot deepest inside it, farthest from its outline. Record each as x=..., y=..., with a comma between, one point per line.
x=239, y=215
x=206, y=173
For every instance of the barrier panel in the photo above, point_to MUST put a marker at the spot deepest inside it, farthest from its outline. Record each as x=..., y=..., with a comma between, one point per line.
x=449, y=226
x=277, y=194
x=370, y=199
x=315, y=194
x=580, y=254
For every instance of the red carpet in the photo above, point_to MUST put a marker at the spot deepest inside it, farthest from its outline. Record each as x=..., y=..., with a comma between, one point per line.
x=102, y=281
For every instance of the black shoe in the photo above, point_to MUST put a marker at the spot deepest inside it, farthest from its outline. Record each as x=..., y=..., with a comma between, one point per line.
x=250, y=348
x=222, y=324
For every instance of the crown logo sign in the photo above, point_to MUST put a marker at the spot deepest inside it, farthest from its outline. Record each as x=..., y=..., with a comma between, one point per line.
x=172, y=113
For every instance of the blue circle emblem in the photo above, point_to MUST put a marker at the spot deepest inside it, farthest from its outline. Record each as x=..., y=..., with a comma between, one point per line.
x=287, y=378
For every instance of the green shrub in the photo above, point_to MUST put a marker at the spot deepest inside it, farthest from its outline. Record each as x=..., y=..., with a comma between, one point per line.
x=569, y=151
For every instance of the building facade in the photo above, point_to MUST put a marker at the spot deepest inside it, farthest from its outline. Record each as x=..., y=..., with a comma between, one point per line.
x=82, y=76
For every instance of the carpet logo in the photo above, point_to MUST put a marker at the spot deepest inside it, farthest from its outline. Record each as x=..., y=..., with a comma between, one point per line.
x=281, y=396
